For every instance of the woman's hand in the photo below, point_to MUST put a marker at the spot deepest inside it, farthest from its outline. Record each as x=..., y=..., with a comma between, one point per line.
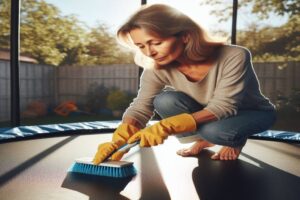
x=120, y=137
x=157, y=133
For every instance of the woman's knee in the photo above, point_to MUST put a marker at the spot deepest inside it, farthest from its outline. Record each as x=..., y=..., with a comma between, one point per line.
x=221, y=136
x=175, y=102
x=164, y=100
x=235, y=130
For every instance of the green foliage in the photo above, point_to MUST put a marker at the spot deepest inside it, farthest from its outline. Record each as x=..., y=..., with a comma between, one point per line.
x=291, y=102
x=103, y=48
x=279, y=7
x=118, y=100
x=294, y=99
x=54, y=39
x=263, y=8
x=4, y=24
x=272, y=44
x=275, y=44
x=96, y=97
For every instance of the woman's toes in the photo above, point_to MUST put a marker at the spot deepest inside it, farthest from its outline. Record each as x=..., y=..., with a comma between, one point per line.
x=227, y=153
x=216, y=156
x=184, y=152
x=195, y=148
x=223, y=153
x=180, y=152
x=230, y=155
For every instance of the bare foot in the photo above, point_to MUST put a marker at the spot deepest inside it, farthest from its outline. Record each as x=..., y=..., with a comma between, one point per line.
x=227, y=153
x=195, y=148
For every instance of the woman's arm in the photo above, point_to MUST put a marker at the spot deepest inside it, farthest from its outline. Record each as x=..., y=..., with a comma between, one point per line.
x=133, y=122
x=141, y=109
x=203, y=116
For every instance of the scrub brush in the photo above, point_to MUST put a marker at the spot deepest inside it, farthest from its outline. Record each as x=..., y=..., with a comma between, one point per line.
x=117, y=169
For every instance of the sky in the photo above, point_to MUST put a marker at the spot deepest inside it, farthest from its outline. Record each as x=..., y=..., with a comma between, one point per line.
x=115, y=12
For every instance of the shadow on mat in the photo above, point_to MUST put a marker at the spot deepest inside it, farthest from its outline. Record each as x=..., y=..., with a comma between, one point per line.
x=239, y=179
x=153, y=185
x=32, y=161
x=96, y=187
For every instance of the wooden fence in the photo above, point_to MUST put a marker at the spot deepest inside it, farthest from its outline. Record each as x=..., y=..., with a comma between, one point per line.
x=74, y=82
x=4, y=91
x=56, y=84
x=53, y=85
x=278, y=78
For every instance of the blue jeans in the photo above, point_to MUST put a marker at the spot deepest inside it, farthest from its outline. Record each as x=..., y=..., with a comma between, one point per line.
x=232, y=131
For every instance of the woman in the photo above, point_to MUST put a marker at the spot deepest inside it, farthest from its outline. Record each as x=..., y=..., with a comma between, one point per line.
x=214, y=97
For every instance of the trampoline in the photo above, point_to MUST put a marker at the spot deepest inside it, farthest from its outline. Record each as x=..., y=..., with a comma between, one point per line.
x=37, y=169
x=35, y=160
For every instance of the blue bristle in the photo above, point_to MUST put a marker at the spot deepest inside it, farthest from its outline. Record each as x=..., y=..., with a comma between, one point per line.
x=117, y=172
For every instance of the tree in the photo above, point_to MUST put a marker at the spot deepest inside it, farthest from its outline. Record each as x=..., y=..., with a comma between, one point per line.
x=262, y=8
x=267, y=43
x=103, y=48
x=4, y=24
x=46, y=34
x=273, y=43
x=54, y=39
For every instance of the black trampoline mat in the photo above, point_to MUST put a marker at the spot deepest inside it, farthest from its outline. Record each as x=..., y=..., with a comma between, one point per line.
x=37, y=169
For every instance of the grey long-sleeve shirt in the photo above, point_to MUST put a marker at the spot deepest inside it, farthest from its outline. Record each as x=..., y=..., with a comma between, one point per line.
x=230, y=85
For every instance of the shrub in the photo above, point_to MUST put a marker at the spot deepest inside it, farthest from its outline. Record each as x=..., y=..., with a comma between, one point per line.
x=96, y=97
x=118, y=100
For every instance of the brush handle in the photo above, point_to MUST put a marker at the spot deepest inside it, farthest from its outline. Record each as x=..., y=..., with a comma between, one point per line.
x=125, y=147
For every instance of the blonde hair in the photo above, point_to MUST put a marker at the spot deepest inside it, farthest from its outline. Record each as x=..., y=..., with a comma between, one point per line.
x=166, y=21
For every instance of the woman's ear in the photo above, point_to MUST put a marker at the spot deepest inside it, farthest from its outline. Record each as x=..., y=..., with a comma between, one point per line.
x=185, y=38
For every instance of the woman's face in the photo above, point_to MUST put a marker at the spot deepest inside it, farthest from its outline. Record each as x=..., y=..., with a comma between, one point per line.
x=162, y=50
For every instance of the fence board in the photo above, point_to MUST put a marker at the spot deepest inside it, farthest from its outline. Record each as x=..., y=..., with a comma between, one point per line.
x=274, y=78
x=75, y=81
x=56, y=84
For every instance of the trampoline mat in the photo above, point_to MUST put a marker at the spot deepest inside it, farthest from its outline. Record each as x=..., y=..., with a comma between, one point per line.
x=37, y=169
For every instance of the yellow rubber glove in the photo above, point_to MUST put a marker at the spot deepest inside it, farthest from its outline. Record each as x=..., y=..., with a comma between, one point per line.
x=120, y=137
x=157, y=133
